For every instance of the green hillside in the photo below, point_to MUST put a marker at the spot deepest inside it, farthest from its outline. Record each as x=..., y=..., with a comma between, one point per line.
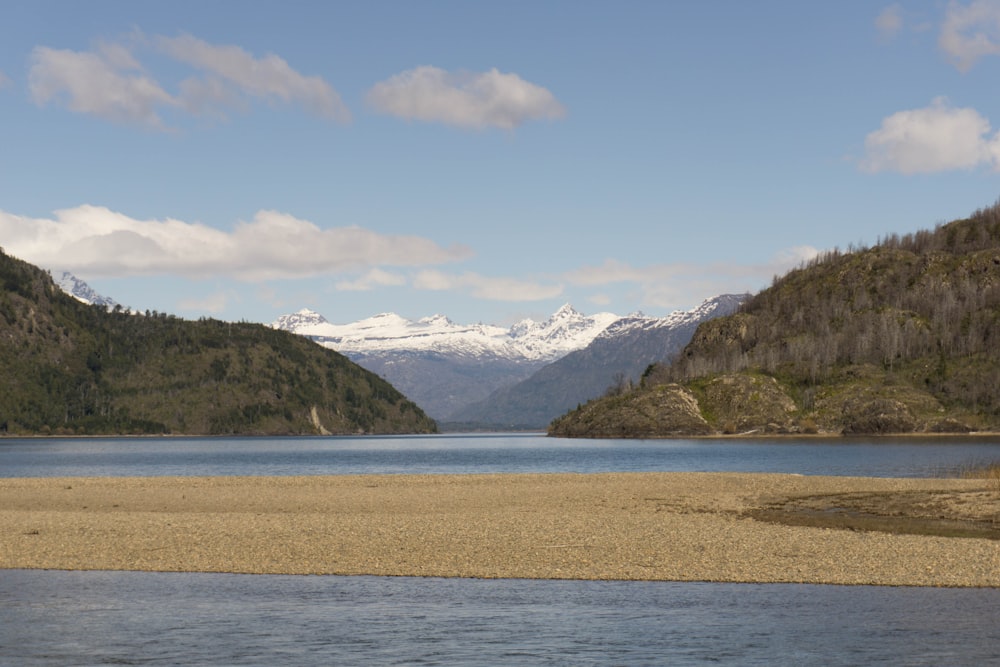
x=69, y=368
x=902, y=337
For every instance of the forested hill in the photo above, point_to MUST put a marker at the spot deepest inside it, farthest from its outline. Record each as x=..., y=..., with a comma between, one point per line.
x=897, y=338
x=70, y=368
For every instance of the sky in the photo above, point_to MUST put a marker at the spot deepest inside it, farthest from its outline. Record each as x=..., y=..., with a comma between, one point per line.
x=487, y=161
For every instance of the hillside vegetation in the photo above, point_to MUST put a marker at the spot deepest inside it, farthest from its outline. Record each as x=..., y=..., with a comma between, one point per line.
x=70, y=368
x=902, y=337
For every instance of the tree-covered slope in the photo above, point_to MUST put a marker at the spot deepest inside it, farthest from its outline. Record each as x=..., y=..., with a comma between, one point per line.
x=900, y=337
x=66, y=367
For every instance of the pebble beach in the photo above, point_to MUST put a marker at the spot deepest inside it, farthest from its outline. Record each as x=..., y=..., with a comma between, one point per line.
x=614, y=526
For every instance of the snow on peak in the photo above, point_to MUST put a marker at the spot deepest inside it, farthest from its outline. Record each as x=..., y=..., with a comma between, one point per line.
x=565, y=331
x=298, y=321
x=566, y=311
x=435, y=320
x=81, y=291
x=724, y=304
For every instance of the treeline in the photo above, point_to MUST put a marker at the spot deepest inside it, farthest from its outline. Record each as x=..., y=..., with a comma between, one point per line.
x=72, y=368
x=925, y=306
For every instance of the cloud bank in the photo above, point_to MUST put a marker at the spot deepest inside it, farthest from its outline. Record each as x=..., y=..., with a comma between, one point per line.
x=97, y=242
x=464, y=99
x=936, y=138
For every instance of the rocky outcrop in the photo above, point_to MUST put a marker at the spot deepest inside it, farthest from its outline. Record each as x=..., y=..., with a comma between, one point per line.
x=662, y=411
x=742, y=403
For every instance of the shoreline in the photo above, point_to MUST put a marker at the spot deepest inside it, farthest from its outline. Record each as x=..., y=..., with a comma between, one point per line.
x=749, y=435
x=607, y=526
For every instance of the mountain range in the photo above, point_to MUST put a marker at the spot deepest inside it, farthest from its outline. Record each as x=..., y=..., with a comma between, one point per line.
x=482, y=376
x=614, y=361
x=519, y=377
x=527, y=341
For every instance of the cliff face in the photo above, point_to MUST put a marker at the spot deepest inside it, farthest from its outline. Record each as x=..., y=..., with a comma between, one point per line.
x=71, y=368
x=899, y=338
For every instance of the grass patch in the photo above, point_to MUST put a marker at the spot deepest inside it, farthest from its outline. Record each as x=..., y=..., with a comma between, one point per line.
x=987, y=471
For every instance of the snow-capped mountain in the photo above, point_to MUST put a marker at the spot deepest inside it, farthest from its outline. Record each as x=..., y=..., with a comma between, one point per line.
x=715, y=307
x=618, y=356
x=448, y=368
x=81, y=291
x=566, y=330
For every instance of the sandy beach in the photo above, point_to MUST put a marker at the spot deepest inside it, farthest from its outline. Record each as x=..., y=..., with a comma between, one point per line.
x=730, y=527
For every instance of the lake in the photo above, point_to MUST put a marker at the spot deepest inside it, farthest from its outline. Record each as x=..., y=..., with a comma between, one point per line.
x=493, y=453
x=131, y=618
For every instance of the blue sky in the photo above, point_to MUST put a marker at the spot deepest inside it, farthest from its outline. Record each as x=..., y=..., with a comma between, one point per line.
x=487, y=161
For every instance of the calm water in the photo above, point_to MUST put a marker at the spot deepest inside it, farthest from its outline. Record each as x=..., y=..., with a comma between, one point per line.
x=50, y=618
x=98, y=618
x=453, y=454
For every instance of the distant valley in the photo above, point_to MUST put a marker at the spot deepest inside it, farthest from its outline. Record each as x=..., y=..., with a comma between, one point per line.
x=487, y=377
x=521, y=377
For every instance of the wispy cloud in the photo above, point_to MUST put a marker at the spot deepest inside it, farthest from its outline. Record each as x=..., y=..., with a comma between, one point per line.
x=486, y=287
x=670, y=285
x=230, y=72
x=97, y=242
x=110, y=82
x=464, y=99
x=372, y=279
x=889, y=22
x=938, y=137
x=4, y=80
x=107, y=82
x=970, y=32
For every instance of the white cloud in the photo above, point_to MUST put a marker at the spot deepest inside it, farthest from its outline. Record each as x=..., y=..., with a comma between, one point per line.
x=108, y=83
x=476, y=100
x=890, y=21
x=232, y=72
x=484, y=287
x=970, y=32
x=939, y=137
x=4, y=79
x=97, y=242
x=111, y=83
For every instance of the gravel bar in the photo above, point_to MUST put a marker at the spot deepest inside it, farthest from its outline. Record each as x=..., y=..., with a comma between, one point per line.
x=621, y=526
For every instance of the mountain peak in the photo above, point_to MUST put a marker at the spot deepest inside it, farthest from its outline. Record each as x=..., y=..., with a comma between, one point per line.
x=299, y=321
x=563, y=332
x=567, y=310
x=81, y=291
